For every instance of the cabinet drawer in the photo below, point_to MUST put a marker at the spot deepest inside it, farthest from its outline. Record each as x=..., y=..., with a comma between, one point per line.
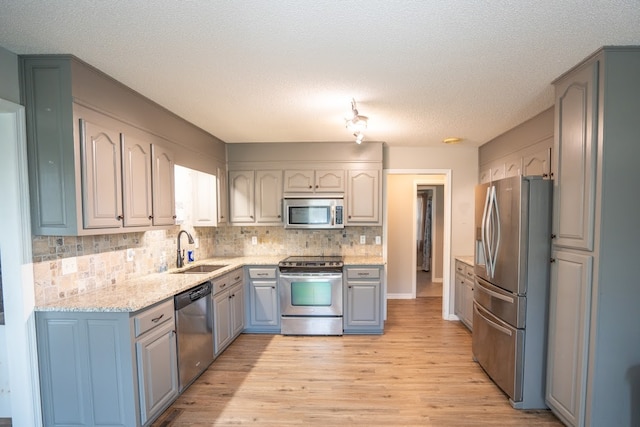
x=153, y=317
x=262, y=273
x=468, y=271
x=221, y=283
x=235, y=276
x=363, y=273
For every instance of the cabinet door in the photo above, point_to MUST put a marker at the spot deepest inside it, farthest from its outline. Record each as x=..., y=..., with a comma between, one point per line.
x=537, y=164
x=269, y=196
x=164, y=203
x=222, y=195
x=459, y=297
x=497, y=172
x=204, y=200
x=569, y=302
x=136, y=182
x=157, y=370
x=101, y=176
x=513, y=167
x=221, y=321
x=299, y=181
x=363, y=303
x=329, y=181
x=575, y=145
x=242, y=196
x=363, y=197
x=467, y=303
x=237, y=309
x=264, y=303
x=485, y=175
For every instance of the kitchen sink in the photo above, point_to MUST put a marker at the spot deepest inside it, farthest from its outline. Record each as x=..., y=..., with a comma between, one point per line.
x=197, y=269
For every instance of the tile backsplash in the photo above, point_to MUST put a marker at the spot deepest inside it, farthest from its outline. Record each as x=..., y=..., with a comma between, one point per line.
x=66, y=266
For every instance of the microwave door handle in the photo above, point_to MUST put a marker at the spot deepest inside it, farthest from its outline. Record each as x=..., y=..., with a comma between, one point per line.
x=333, y=215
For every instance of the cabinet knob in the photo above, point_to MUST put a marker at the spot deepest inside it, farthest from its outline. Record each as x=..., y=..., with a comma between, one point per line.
x=174, y=217
x=553, y=236
x=551, y=174
x=311, y=186
x=273, y=287
x=119, y=217
x=150, y=216
x=552, y=260
x=545, y=175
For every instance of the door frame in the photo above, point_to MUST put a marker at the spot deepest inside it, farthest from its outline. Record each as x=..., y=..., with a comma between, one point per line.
x=17, y=268
x=427, y=177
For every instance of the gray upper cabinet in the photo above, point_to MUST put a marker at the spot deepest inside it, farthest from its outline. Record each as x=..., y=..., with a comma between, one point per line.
x=96, y=164
x=101, y=176
x=242, y=204
x=314, y=181
x=164, y=203
x=363, y=197
x=575, y=189
x=256, y=197
x=136, y=192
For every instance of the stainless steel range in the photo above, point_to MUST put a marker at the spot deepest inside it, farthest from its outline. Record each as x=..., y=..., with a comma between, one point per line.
x=311, y=295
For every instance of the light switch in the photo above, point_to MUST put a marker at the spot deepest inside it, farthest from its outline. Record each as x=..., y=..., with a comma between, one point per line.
x=363, y=240
x=130, y=254
x=254, y=240
x=378, y=240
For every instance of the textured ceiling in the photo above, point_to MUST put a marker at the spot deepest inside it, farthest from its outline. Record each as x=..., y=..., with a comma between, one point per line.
x=286, y=70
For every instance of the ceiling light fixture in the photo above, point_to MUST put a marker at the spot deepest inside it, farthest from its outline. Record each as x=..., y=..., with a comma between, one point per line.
x=452, y=140
x=356, y=123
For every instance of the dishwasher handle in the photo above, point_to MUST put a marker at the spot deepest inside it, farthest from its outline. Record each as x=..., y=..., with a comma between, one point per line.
x=194, y=294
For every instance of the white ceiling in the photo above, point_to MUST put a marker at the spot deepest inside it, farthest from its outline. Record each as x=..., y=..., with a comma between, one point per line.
x=286, y=70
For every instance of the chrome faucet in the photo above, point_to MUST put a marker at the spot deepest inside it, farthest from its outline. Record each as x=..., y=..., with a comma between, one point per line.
x=180, y=258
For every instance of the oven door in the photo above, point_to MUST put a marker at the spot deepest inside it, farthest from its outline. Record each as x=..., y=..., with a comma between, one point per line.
x=311, y=294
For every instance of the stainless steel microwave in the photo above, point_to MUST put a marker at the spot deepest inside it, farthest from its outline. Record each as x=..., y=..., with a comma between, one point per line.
x=306, y=212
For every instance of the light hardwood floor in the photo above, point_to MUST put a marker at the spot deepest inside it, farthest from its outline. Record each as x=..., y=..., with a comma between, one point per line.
x=419, y=373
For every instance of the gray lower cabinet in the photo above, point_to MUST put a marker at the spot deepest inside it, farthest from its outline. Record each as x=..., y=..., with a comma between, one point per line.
x=115, y=369
x=228, y=309
x=262, y=294
x=363, y=296
x=464, y=283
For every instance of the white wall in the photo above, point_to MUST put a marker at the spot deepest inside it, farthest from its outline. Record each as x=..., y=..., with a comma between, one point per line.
x=462, y=162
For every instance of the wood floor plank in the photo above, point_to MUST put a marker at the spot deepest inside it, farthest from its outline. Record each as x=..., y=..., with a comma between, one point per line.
x=419, y=373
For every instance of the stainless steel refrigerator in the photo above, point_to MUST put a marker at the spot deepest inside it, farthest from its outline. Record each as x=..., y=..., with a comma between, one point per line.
x=511, y=292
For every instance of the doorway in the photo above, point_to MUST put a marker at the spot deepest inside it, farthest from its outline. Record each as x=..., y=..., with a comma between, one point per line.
x=23, y=404
x=429, y=240
x=401, y=230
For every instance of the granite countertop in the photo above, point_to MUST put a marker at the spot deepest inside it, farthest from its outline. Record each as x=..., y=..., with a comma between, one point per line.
x=466, y=259
x=139, y=293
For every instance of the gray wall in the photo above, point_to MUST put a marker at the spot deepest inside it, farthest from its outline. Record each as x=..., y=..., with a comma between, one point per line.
x=9, y=81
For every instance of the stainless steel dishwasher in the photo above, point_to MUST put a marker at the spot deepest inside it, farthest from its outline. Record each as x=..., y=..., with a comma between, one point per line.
x=194, y=325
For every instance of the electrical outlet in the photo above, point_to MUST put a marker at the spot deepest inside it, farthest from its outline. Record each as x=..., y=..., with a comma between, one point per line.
x=378, y=240
x=196, y=241
x=363, y=240
x=69, y=265
x=254, y=240
x=130, y=254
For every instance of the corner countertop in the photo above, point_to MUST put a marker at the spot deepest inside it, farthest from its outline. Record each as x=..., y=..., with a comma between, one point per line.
x=142, y=292
x=466, y=259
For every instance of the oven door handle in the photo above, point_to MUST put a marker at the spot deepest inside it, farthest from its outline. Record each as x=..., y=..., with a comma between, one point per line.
x=299, y=276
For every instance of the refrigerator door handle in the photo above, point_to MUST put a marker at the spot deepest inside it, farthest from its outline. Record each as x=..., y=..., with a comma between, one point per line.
x=484, y=233
x=491, y=323
x=495, y=229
